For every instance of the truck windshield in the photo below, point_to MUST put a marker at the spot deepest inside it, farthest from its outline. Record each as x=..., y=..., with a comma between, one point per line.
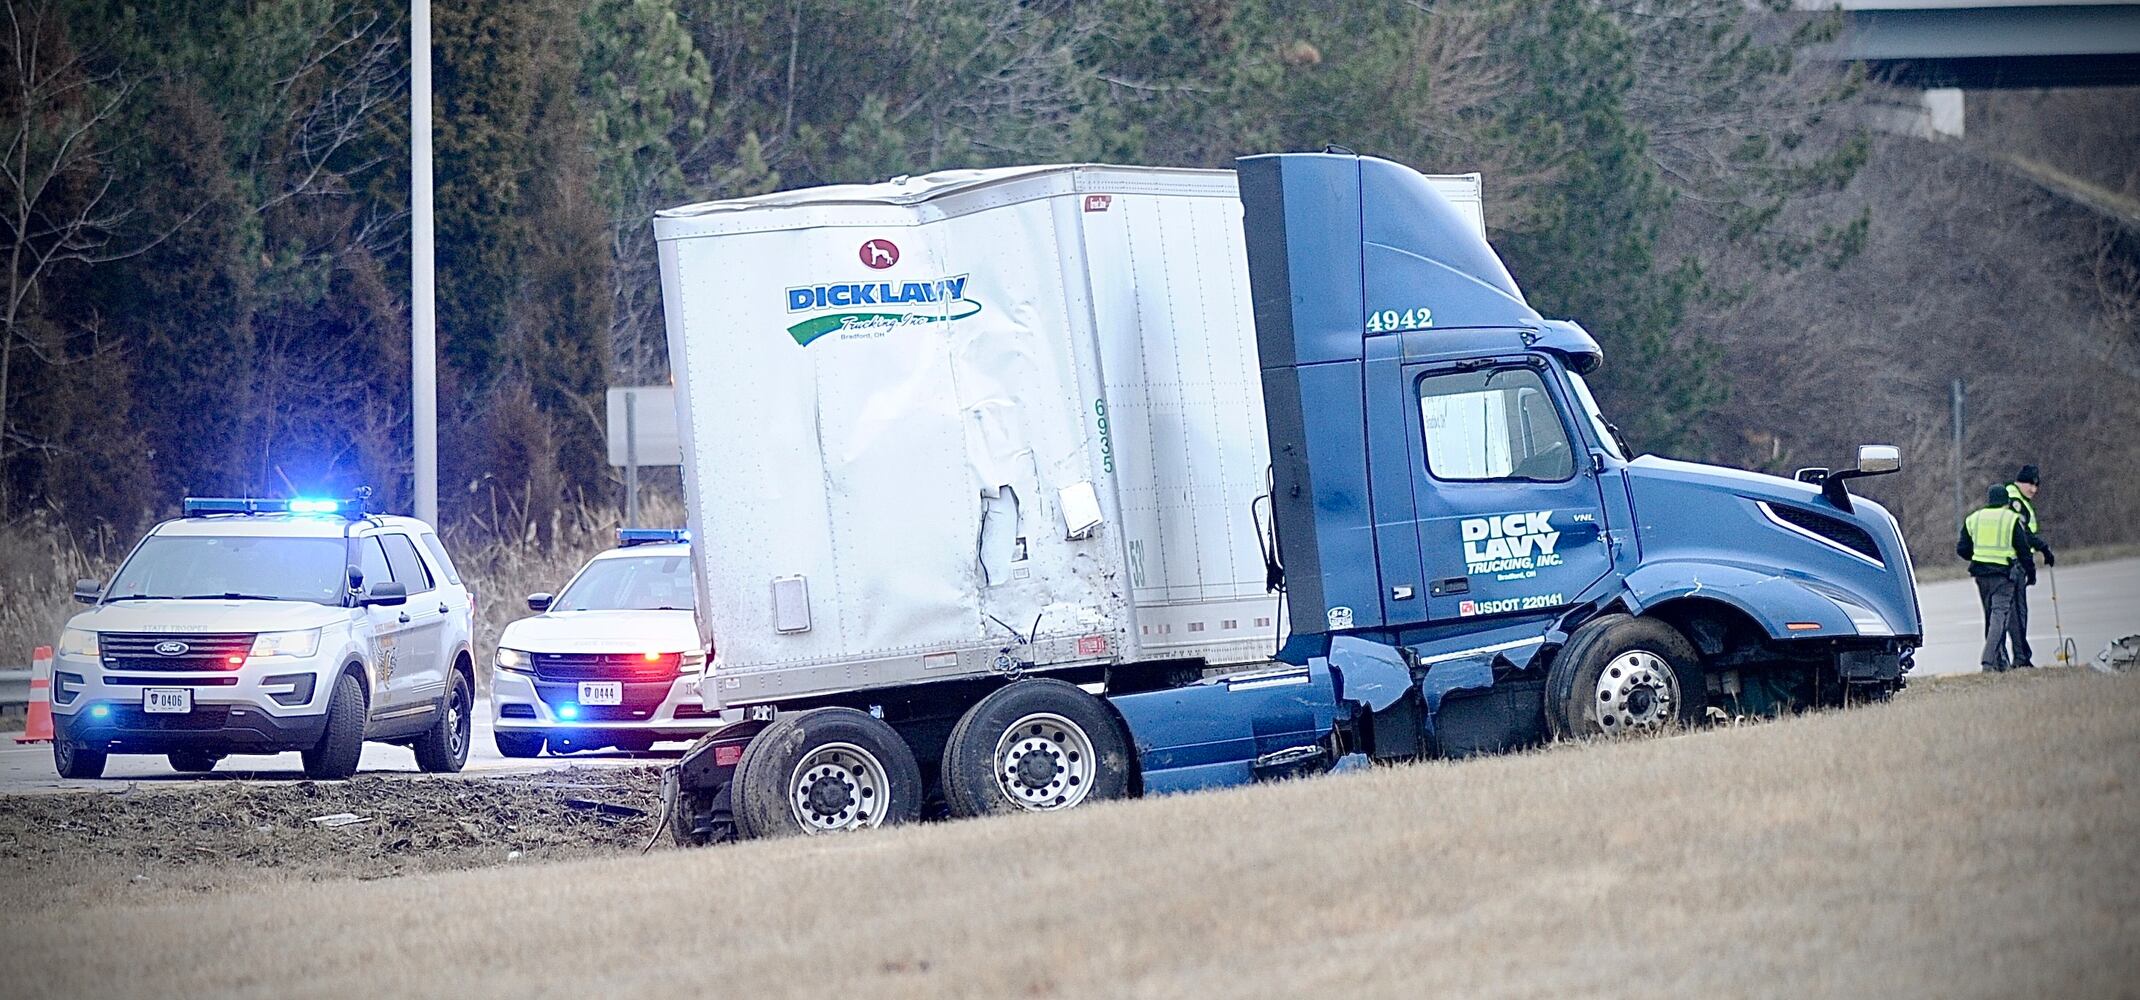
x=207, y=567
x=644, y=583
x=1608, y=438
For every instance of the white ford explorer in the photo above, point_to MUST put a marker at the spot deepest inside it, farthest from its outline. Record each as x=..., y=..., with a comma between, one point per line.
x=263, y=626
x=613, y=660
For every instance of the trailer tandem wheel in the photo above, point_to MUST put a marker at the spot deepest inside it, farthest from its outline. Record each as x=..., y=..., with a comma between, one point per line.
x=822, y=771
x=1034, y=745
x=1622, y=676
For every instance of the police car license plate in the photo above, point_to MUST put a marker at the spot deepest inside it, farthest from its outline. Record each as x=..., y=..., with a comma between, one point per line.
x=601, y=692
x=167, y=700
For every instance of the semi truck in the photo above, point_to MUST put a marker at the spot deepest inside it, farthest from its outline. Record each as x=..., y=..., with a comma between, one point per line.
x=1020, y=488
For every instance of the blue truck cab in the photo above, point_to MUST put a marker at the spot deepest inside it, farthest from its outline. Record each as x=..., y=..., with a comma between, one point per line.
x=1446, y=487
x=1470, y=560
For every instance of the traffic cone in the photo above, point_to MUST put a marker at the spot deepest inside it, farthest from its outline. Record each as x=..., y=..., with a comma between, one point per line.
x=39, y=729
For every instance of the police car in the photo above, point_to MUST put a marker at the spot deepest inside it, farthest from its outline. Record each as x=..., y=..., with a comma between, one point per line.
x=610, y=661
x=263, y=626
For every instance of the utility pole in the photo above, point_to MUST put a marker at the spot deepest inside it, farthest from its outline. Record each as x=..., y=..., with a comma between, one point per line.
x=423, y=332
x=1961, y=508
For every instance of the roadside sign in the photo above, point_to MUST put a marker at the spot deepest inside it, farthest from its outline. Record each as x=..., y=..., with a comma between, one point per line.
x=647, y=414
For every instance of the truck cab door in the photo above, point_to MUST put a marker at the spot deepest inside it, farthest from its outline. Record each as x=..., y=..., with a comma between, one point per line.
x=1510, y=512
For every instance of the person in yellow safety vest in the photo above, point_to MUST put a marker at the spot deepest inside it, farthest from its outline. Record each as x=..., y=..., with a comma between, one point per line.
x=2021, y=496
x=1996, y=540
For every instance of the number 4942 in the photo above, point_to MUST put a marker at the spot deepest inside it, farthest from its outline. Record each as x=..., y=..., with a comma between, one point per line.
x=1392, y=321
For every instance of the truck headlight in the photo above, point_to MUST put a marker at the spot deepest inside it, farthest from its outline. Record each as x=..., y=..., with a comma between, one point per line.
x=303, y=642
x=691, y=661
x=79, y=642
x=514, y=660
x=1864, y=619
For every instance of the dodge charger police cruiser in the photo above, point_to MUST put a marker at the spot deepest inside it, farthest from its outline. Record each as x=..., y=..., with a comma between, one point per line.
x=611, y=661
x=263, y=626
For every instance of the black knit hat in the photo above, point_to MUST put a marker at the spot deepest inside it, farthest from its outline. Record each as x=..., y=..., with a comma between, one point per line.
x=2027, y=475
x=1997, y=496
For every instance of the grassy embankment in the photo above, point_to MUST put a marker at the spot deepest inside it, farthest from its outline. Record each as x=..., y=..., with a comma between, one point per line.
x=1978, y=837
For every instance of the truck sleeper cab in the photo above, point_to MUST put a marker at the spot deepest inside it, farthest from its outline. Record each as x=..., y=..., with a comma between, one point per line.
x=1450, y=548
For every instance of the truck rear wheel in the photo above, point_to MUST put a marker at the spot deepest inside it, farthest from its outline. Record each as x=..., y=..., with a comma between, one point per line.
x=825, y=771
x=1035, y=745
x=1622, y=676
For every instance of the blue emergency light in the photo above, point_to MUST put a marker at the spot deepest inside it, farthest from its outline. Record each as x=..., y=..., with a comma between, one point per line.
x=352, y=507
x=629, y=537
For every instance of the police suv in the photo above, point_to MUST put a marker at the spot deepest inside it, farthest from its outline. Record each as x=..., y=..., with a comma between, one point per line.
x=613, y=660
x=262, y=626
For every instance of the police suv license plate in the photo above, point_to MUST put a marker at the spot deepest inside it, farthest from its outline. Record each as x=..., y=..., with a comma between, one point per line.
x=601, y=692
x=171, y=701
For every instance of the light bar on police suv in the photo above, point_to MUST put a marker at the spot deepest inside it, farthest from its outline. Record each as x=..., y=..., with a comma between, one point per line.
x=628, y=537
x=352, y=507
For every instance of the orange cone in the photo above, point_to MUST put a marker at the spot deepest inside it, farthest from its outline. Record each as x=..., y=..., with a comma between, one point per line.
x=39, y=729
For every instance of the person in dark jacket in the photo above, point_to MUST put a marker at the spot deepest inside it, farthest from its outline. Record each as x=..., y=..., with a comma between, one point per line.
x=1996, y=540
x=2021, y=496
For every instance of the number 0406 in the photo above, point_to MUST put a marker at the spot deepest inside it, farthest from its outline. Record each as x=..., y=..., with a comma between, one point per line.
x=1392, y=321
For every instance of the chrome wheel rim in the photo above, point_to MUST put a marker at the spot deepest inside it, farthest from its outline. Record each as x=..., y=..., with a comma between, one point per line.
x=1637, y=694
x=838, y=786
x=457, y=723
x=1044, y=762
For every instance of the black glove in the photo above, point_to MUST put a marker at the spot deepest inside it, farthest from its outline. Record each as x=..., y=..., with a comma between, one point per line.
x=2049, y=559
x=2028, y=573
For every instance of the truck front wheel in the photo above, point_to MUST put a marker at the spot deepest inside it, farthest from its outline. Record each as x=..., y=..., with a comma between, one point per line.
x=1621, y=676
x=824, y=771
x=1034, y=745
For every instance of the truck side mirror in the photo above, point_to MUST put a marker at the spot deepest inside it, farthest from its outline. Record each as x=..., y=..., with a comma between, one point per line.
x=387, y=594
x=1873, y=460
x=540, y=602
x=87, y=591
x=1878, y=459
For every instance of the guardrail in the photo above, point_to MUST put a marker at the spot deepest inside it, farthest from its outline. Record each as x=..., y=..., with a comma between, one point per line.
x=14, y=686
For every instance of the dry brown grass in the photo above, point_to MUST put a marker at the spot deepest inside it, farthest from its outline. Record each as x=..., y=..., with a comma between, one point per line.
x=1981, y=839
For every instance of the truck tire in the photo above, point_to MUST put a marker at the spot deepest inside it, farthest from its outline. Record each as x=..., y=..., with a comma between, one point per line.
x=823, y=771
x=1621, y=676
x=78, y=760
x=193, y=761
x=517, y=744
x=1035, y=745
x=443, y=748
x=335, y=756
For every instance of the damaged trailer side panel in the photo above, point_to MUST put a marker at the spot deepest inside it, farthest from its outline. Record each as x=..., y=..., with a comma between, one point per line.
x=970, y=424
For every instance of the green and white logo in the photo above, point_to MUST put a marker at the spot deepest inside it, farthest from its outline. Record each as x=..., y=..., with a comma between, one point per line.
x=876, y=308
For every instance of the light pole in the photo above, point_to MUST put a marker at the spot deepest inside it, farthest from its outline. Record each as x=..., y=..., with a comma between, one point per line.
x=423, y=333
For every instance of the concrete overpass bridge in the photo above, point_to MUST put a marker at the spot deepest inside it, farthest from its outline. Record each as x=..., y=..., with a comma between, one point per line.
x=1988, y=44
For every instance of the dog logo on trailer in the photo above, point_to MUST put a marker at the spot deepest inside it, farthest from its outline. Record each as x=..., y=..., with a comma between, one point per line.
x=880, y=253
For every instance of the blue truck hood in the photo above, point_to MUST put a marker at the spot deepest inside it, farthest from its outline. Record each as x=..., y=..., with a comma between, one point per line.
x=1706, y=514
